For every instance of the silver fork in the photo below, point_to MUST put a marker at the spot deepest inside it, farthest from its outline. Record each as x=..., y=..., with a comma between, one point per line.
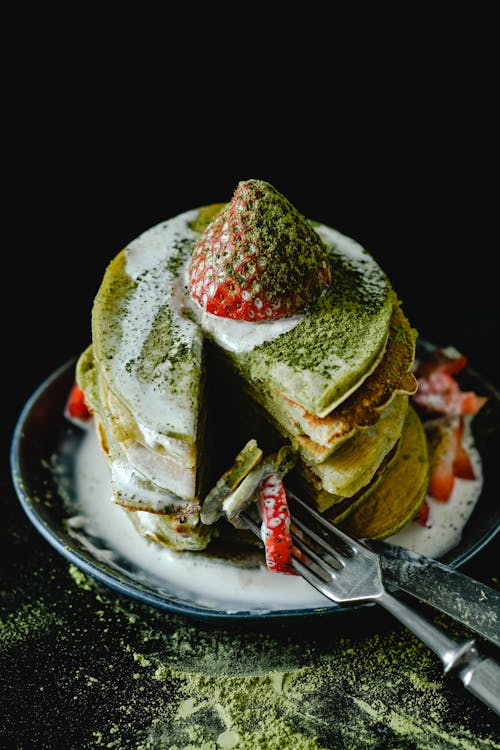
x=346, y=571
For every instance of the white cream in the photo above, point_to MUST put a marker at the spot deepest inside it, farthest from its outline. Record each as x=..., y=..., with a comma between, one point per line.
x=239, y=336
x=159, y=402
x=177, y=449
x=223, y=586
x=162, y=471
x=189, y=575
x=446, y=520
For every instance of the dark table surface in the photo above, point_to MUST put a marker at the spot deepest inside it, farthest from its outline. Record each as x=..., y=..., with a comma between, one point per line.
x=82, y=666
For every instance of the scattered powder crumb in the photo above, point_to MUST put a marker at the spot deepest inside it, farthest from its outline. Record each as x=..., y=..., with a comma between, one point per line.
x=351, y=698
x=143, y=661
x=79, y=577
x=29, y=620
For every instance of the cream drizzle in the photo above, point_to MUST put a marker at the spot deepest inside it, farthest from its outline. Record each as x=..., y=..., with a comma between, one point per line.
x=224, y=586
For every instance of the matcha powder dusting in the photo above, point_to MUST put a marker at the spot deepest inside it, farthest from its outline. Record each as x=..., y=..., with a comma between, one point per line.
x=356, y=697
x=93, y=669
x=197, y=686
x=234, y=712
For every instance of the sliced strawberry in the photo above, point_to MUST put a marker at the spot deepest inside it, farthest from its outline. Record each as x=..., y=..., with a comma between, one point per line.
x=422, y=516
x=470, y=402
x=438, y=392
x=276, y=524
x=442, y=479
x=443, y=360
x=448, y=458
x=76, y=406
x=462, y=465
x=258, y=259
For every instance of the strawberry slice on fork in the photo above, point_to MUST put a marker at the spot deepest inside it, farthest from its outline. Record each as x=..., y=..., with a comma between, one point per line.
x=273, y=506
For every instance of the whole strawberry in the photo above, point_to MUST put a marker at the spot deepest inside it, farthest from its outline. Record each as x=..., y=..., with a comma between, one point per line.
x=258, y=259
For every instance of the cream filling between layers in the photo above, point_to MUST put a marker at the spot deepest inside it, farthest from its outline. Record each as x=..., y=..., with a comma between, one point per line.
x=127, y=432
x=162, y=471
x=140, y=477
x=130, y=487
x=173, y=471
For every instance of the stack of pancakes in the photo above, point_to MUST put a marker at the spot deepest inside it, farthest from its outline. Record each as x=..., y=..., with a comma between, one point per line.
x=334, y=383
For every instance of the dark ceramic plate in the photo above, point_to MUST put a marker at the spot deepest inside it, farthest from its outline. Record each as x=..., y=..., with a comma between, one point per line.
x=42, y=432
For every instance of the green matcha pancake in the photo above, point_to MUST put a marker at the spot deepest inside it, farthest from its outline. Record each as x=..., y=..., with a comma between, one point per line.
x=295, y=319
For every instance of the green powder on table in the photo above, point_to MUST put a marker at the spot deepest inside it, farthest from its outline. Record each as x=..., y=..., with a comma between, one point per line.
x=229, y=688
x=26, y=622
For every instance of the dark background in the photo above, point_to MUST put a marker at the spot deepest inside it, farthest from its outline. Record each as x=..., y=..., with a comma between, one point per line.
x=383, y=125
x=415, y=193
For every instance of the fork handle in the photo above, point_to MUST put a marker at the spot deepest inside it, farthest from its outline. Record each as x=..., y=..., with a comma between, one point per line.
x=479, y=674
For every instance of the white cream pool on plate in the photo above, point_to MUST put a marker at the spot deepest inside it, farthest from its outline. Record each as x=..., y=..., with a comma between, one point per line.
x=223, y=586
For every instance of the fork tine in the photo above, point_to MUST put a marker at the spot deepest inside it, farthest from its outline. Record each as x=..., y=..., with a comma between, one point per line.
x=304, y=566
x=314, y=579
x=301, y=544
x=351, y=543
x=250, y=523
x=313, y=557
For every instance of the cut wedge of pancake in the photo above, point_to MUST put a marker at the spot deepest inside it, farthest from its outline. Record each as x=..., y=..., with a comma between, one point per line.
x=149, y=374
x=246, y=460
x=316, y=438
x=151, y=489
x=141, y=478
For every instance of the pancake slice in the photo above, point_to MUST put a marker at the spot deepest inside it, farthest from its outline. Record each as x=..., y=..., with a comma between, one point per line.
x=179, y=533
x=392, y=375
x=396, y=500
x=316, y=438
